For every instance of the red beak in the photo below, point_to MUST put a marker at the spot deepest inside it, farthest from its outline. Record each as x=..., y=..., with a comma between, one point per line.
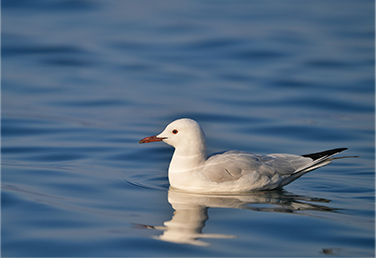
x=153, y=138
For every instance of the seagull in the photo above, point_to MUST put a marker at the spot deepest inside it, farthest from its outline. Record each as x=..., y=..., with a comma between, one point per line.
x=232, y=171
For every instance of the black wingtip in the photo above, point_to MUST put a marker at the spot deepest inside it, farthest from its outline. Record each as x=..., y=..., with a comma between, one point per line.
x=318, y=155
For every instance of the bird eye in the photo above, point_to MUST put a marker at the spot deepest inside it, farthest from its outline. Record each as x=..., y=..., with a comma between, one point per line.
x=175, y=131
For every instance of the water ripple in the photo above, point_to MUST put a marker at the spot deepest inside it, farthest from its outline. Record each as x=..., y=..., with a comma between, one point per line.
x=38, y=50
x=77, y=5
x=146, y=180
x=257, y=55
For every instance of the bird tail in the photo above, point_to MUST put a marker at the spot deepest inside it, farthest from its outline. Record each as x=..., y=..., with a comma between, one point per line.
x=320, y=159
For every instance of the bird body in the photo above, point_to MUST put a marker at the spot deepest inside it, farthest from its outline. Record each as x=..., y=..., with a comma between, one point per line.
x=232, y=171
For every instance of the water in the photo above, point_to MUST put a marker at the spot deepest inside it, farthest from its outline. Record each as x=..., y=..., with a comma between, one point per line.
x=83, y=81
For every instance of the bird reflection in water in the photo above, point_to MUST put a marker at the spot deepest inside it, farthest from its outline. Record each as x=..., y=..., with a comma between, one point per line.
x=191, y=211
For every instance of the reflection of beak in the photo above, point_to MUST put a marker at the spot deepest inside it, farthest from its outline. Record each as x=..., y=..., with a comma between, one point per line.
x=153, y=138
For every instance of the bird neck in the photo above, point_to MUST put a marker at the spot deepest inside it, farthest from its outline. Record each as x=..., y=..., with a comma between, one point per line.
x=189, y=157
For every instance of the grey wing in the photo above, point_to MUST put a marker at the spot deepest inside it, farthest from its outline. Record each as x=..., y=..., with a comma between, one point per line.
x=288, y=164
x=232, y=165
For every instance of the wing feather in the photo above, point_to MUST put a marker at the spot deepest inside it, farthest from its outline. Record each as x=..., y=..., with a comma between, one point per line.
x=232, y=165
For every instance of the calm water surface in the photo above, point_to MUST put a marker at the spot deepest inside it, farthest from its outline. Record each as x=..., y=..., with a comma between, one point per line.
x=83, y=81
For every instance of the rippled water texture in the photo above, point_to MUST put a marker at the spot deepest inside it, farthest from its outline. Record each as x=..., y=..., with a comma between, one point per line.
x=83, y=81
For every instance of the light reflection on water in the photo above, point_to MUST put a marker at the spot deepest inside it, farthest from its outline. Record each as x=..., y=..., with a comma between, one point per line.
x=191, y=211
x=83, y=81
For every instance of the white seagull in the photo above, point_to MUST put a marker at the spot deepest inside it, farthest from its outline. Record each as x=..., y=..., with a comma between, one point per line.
x=233, y=171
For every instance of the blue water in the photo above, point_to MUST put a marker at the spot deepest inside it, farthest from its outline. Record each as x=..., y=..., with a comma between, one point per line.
x=83, y=81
